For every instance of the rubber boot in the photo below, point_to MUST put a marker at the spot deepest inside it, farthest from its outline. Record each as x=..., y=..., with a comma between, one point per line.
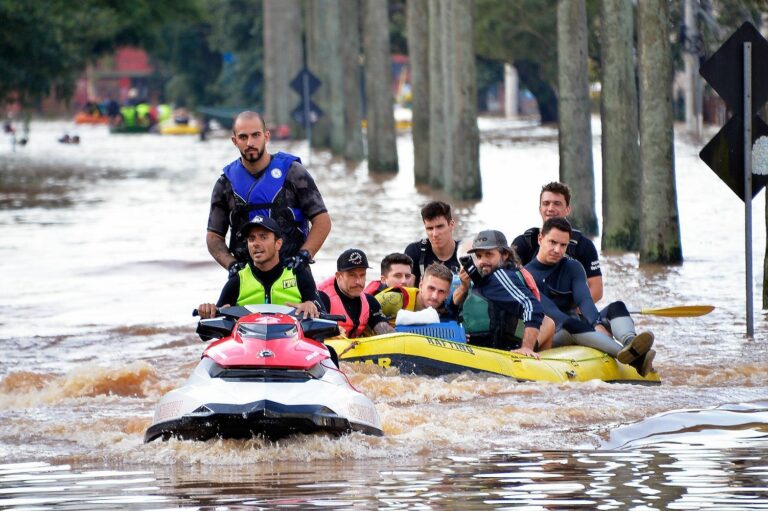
x=644, y=364
x=635, y=347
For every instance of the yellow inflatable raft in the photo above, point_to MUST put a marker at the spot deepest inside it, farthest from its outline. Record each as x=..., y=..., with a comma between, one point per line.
x=179, y=129
x=420, y=354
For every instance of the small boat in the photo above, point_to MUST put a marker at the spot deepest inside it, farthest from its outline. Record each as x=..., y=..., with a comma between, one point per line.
x=179, y=129
x=268, y=374
x=440, y=349
x=86, y=118
x=131, y=129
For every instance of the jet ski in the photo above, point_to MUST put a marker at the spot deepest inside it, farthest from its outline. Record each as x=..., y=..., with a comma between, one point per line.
x=267, y=374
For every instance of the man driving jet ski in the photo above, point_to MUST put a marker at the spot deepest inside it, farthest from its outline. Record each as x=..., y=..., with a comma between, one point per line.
x=266, y=279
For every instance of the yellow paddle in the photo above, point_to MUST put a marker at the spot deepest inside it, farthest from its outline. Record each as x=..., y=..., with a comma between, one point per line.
x=681, y=311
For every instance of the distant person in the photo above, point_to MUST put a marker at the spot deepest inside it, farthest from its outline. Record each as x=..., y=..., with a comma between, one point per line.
x=113, y=111
x=555, y=201
x=344, y=296
x=263, y=184
x=566, y=299
x=439, y=245
x=396, y=271
x=433, y=291
x=266, y=279
x=181, y=116
x=498, y=310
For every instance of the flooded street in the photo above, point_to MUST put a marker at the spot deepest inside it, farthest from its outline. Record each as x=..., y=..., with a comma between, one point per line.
x=104, y=258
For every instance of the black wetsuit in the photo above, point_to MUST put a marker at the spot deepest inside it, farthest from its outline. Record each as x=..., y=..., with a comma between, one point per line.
x=580, y=248
x=563, y=288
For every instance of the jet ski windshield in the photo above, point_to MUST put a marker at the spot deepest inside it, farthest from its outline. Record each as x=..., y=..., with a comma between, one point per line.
x=266, y=332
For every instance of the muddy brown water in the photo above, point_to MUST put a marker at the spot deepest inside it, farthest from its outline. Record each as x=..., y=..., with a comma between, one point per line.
x=103, y=259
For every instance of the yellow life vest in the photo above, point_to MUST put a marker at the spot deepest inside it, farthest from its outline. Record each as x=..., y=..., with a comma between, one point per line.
x=252, y=292
x=392, y=299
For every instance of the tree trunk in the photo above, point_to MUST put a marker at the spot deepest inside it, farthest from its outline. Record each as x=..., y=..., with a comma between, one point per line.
x=325, y=62
x=316, y=54
x=454, y=139
x=463, y=178
x=438, y=153
x=659, y=224
x=353, y=104
x=693, y=83
x=283, y=59
x=530, y=76
x=418, y=55
x=382, y=142
x=575, y=133
x=335, y=66
x=620, y=148
x=765, y=260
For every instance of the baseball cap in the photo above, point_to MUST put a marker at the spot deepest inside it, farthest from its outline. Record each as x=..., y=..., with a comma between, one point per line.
x=261, y=221
x=350, y=259
x=488, y=240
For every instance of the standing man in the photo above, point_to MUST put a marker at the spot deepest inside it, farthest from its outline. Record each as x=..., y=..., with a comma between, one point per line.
x=498, y=309
x=555, y=201
x=266, y=279
x=439, y=245
x=566, y=299
x=266, y=185
x=344, y=296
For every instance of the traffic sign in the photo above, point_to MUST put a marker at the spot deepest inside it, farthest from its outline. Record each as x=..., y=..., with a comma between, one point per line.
x=313, y=82
x=725, y=155
x=315, y=112
x=738, y=73
x=724, y=70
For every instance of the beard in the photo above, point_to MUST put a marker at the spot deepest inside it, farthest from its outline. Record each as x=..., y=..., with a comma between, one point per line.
x=253, y=154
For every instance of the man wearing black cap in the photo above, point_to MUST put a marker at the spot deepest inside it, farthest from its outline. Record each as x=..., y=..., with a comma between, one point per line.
x=498, y=309
x=344, y=295
x=266, y=279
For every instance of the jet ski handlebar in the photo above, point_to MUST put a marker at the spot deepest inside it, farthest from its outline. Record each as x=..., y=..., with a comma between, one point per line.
x=239, y=311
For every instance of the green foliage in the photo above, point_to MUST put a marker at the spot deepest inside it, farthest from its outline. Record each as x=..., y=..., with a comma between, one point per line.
x=47, y=43
x=185, y=63
x=398, y=38
x=238, y=35
x=519, y=30
x=523, y=32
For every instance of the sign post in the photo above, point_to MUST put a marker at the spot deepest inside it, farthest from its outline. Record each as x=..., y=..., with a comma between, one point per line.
x=307, y=113
x=738, y=74
x=748, y=184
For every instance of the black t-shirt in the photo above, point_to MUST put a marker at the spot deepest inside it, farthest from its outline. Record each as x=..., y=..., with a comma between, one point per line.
x=304, y=281
x=299, y=191
x=422, y=255
x=580, y=248
x=353, y=306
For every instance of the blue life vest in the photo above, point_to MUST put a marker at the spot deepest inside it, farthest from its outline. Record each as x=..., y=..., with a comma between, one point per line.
x=257, y=195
